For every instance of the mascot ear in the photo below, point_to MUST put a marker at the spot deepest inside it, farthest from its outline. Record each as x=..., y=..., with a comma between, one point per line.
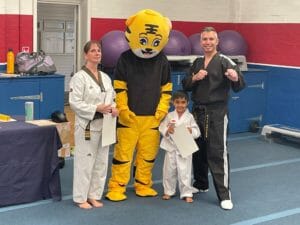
x=130, y=20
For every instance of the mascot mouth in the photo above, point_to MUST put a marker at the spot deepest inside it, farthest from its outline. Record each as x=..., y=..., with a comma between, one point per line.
x=147, y=52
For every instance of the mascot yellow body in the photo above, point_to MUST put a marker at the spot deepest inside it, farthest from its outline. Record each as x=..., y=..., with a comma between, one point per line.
x=143, y=86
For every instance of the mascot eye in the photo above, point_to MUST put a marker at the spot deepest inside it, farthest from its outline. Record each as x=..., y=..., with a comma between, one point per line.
x=143, y=41
x=156, y=42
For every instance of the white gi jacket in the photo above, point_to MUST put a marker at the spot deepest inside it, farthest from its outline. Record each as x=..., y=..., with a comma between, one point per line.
x=85, y=95
x=187, y=119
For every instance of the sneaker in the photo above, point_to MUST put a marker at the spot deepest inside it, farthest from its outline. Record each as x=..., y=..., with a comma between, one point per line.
x=203, y=190
x=226, y=204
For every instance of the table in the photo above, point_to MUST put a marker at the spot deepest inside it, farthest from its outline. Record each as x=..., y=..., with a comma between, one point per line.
x=29, y=164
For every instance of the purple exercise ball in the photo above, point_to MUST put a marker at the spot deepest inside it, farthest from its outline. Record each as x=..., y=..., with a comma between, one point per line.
x=113, y=45
x=232, y=43
x=178, y=44
x=195, y=44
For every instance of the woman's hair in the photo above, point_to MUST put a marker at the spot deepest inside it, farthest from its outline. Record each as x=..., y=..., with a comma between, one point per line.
x=88, y=45
x=180, y=94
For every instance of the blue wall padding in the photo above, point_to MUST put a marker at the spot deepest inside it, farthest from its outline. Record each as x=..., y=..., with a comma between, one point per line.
x=283, y=96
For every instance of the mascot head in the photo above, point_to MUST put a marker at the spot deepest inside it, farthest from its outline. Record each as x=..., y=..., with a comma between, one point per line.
x=147, y=33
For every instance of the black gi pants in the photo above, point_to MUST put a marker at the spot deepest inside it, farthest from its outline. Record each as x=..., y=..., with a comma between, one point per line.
x=212, y=154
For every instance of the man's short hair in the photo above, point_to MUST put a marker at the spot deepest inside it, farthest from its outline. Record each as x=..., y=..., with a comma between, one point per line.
x=208, y=29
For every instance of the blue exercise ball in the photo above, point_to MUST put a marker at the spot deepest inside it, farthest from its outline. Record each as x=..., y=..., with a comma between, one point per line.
x=196, y=48
x=178, y=44
x=232, y=43
x=113, y=45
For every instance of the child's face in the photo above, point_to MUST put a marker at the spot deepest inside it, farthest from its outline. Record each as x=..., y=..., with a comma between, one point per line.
x=180, y=105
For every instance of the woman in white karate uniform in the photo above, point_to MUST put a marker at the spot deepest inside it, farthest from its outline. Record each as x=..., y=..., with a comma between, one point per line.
x=91, y=96
x=175, y=166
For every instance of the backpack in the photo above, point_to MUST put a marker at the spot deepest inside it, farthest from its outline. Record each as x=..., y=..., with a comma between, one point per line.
x=35, y=63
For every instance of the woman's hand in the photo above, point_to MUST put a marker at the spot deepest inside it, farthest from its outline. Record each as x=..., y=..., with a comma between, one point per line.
x=104, y=109
x=114, y=112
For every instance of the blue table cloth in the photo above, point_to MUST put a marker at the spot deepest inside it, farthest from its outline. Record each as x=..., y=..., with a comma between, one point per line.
x=29, y=164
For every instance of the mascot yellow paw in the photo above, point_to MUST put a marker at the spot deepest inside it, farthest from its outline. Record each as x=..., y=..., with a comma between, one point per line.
x=159, y=115
x=115, y=196
x=145, y=192
x=126, y=116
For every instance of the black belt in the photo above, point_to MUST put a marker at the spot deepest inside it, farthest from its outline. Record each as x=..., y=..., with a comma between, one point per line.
x=87, y=132
x=98, y=115
x=203, y=109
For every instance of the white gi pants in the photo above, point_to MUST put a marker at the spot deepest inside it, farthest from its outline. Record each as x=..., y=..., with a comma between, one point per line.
x=177, y=168
x=90, y=166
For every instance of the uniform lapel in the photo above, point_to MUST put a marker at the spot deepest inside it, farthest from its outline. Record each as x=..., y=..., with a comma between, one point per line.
x=99, y=81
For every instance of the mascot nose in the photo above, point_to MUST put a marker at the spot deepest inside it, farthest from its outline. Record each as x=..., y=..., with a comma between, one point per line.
x=148, y=50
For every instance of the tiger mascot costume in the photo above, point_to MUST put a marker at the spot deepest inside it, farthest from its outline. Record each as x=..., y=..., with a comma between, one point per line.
x=143, y=86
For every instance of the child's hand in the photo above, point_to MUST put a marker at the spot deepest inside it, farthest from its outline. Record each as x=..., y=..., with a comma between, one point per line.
x=189, y=129
x=170, y=130
x=171, y=126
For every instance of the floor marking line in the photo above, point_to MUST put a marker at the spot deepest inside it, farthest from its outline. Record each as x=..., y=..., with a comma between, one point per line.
x=278, y=163
x=269, y=217
x=26, y=205
x=242, y=138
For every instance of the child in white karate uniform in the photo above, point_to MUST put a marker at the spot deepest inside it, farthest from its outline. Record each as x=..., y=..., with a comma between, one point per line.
x=175, y=166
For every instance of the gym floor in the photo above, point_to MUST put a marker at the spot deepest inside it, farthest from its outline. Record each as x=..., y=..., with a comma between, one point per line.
x=265, y=184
